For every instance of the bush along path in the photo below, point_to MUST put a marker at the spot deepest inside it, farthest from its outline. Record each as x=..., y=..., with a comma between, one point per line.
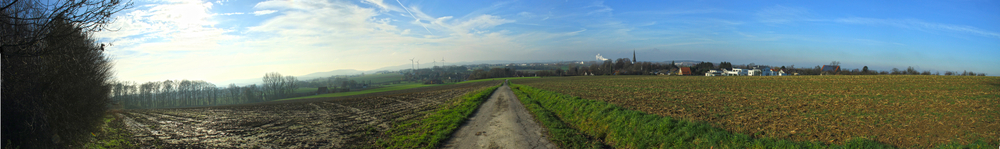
x=601, y=123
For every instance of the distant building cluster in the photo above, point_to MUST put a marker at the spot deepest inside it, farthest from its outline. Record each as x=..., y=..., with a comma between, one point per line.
x=756, y=71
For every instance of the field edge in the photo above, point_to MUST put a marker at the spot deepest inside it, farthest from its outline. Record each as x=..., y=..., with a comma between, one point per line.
x=437, y=126
x=622, y=128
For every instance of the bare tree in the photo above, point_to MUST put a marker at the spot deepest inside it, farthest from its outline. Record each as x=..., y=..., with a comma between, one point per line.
x=27, y=23
x=273, y=84
x=290, y=85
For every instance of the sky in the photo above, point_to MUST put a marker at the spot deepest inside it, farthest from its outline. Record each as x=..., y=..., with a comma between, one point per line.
x=224, y=40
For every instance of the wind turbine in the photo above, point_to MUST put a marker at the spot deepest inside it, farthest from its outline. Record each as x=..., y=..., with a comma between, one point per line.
x=418, y=63
x=411, y=64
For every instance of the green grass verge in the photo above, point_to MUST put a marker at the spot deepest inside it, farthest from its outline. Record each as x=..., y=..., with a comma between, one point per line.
x=436, y=126
x=491, y=79
x=622, y=128
x=559, y=132
x=111, y=135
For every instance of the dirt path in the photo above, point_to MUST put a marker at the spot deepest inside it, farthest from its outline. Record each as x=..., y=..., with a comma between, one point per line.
x=501, y=122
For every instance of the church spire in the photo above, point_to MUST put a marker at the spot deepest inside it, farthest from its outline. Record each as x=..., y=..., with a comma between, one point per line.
x=633, y=56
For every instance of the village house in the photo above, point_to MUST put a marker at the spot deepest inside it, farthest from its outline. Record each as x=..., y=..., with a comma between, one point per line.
x=763, y=71
x=685, y=71
x=714, y=73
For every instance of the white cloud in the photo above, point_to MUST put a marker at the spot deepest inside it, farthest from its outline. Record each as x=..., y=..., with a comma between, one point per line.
x=231, y=13
x=309, y=36
x=480, y=22
x=264, y=12
x=165, y=39
x=381, y=4
x=527, y=14
x=183, y=22
x=349, y=40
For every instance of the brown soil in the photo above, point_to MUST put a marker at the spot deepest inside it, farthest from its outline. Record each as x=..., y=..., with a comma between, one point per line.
x=904, y=111
x=339, y=122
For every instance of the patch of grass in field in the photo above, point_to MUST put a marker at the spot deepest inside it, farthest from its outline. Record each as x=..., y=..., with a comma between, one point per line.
x=111, y=135
x=436, y=126
x=374, y=90
x=493, y=79
x=378, y=78
x=305, y=90
x=385, y=88
x=623, y=128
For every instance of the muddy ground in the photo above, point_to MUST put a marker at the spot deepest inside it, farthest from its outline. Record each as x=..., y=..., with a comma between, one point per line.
x=345, y=122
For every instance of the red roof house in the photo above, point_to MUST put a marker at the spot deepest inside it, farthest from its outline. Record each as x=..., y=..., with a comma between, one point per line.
x=685, y=71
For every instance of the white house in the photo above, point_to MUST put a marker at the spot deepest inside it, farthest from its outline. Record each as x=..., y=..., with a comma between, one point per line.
x=736, y=72
x=763, y=71
x=754, y=72
x=773, y=72
x=714, y=73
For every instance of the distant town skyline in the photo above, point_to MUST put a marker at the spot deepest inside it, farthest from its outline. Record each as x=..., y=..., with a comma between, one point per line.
x=220, y=40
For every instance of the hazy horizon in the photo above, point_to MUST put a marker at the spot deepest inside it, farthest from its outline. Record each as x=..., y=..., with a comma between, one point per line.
x=222, y=40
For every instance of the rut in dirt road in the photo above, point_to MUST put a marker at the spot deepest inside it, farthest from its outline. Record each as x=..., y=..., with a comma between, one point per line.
x=500, y=122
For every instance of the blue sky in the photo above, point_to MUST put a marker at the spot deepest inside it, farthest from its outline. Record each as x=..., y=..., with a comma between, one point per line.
x=220, y=40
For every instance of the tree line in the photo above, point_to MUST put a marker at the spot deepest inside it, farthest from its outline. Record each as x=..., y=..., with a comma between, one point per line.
x=55, y=75
x=185, y=93
x=438, y=74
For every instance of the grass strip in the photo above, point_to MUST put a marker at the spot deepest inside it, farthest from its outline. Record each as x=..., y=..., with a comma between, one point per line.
x=113, y=134
x=558, y=131
x=437, y=126
x=375, y=90
x=622, y=128
x=388, y=88
x=493, y=79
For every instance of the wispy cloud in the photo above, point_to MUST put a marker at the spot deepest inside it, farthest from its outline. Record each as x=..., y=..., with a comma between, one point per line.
x=381, y=4
x=876, y=42
x=179, y=25
x=676, y=12
x=263, y=12
x=228, y=14
x=533, y=15
x=601, y=8
x=480, y=22
x=782, y=14
x=919, y=25
x=414, y=17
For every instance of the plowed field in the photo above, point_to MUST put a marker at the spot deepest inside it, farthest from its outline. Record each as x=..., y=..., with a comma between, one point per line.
x=904, y=111
x=350, y=122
